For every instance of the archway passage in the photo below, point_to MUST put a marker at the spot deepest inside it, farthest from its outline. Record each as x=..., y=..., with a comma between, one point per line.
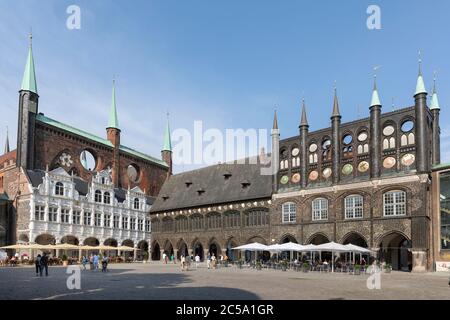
x=198, y=250
x=143, y=250
x=45, y=239
x=214, y=249
x=156, y=252
x=257, y=255
x=395, y=250
x=319, y=239
x=168, y=249
x=182, y=250
x=112, y=243
x=128, y=254
x=232, y=254
x=71, y=240
x=23, y=238
x=287, y=254
x=356, y=239
x=91, y=241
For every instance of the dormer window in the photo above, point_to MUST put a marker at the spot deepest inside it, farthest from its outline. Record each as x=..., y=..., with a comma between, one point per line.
x=188, y=183
x=227, y=175
x=165, y=197
x=136, y=204
x=200, y=191
x=59, y=189
x=98, y=196
x=245, y=184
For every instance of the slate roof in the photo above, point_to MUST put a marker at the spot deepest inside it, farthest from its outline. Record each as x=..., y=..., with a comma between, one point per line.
x=176, y=194
x=81, y=186
x=44, y=119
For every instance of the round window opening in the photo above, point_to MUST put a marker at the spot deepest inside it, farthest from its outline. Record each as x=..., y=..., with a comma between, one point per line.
x=388, y=130
x=133, y=173
x=362, y=136
x=88, y=160
x=347, y=139
x=313, y=147
x=326, y=144
x=407, y=126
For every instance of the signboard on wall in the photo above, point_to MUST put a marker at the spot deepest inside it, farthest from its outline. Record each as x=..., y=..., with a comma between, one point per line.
x=442, y=266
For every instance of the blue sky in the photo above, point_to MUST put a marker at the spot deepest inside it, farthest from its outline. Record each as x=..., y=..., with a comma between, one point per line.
x=227, y=63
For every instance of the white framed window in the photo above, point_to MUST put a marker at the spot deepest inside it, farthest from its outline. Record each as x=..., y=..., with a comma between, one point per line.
x=354, y=206
x=133, y=223
x=87, y=218
x=64, y=215
x=107, y=220
x=76, y=217
x=140, y=224
x=136, y=203
x=116, y=221
x=98, y=219
x=59, y=189
x=98, y=196
x=320, y=209
x=147, y=225
x=52, y=214
x=394, y=203
x=124, y=222
x=39, y=213
x=289, y=212
x=107, y=198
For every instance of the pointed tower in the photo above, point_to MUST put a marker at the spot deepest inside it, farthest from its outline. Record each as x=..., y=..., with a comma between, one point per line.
x=304, y=128
x=166, y=151
x=113, y=135
x=436, y=131
x=422, y=140
x=7, y=150
x=336, y=142
x=275, y=134
x=375, y=132
x=28, y=109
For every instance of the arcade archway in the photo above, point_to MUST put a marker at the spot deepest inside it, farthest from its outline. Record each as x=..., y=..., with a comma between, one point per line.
x=156, y=252
x=395, y=250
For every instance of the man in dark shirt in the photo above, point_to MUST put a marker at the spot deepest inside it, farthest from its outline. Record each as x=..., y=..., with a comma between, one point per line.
x=44, y=264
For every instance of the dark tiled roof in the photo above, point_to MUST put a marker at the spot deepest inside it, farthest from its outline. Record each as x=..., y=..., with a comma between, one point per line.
x=217, y=189
x=81, y=186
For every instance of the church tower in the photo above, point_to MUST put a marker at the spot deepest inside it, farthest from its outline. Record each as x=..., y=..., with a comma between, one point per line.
x=28, y=109
x=166, y=152
x=113, y=135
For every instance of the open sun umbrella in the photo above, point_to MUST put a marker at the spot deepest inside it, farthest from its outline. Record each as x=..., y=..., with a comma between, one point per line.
x=124, y=248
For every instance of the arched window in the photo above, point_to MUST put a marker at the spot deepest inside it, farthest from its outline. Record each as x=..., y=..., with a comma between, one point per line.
x=347, y=150
x=136, y=204
x=59, y=189
x=156, y=225
x=167, y=225
x=312, y=153
x=295, y=157
x=289, y=212
x=107, y=198
x=256, y=217
x=320, y=209
x=232, y=219
x=181, y=223
x=353, y=207
x=389, y=139
x=394, y=203
x=214, y=221
x=326, y=150
x=98, y=196
x=197, y=222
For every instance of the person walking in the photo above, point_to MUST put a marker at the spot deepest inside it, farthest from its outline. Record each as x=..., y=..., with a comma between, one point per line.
x=214, y=261
x=84, y=261
x=105, y=261
x=44, y=264
x=37, y=264
x=183, y=262
x=91, y=262
x=208, y=261
x=96, y=262
x=164, y=257
x=197, y=261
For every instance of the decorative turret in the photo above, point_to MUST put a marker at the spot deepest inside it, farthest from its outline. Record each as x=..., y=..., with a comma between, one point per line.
x=166, y=151
x=336, y=142
x=422, y=140
x=436, y=131
x=304, y=127
x=28, y=108
x=7, y=150
x=275, y=152
x=113, y=135
x=375, y=131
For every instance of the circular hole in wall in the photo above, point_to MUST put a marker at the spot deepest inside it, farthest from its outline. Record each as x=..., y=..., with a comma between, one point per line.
x=133, y=173
x=88, y=160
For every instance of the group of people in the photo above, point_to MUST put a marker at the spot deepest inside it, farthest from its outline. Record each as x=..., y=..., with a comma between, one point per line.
x=41, y=264
x=211, y=261
x=166, y=258
x=94, y=260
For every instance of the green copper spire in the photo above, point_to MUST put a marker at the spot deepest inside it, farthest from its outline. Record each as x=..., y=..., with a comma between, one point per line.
x=167, y=146
x=336, y=112
x=113, y=119
x=420, y=87
x=434, y=104
x=29, y=76
x=375, y=98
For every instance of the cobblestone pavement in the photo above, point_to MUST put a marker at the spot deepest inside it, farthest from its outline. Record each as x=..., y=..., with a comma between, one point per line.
x=159, y=281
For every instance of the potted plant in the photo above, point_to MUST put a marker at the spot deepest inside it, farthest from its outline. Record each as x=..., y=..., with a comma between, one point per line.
x=357, y=269
x=240, y=262
x=284, y=265
x=258, y=265
x=306, y=267
x=145, y=256
x=388, y=268
x=64, y=260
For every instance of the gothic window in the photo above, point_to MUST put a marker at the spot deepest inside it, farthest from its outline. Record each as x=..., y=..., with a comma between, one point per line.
x=182, y=224
x=295, y=157
x=39, y=213
x=289, y=212
x=156, y=225
x=312, y=153
x=64, y=215
x=167, y=225
x=326, y=150
x=232, y=219
x=363, y=146
x=197, y=222
x=87, y=218
x=407, y=137
x=76, y=217
x=136, y=203
x=353, y=207
x=394, y=203
x=52, y=214
x=320, y=209
x=98, y=196
x=59, y=189
x=107, y=198
x=284, y=163
x=389, y=139
x=347, y=151
x=256, y=217
x=214, y=221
